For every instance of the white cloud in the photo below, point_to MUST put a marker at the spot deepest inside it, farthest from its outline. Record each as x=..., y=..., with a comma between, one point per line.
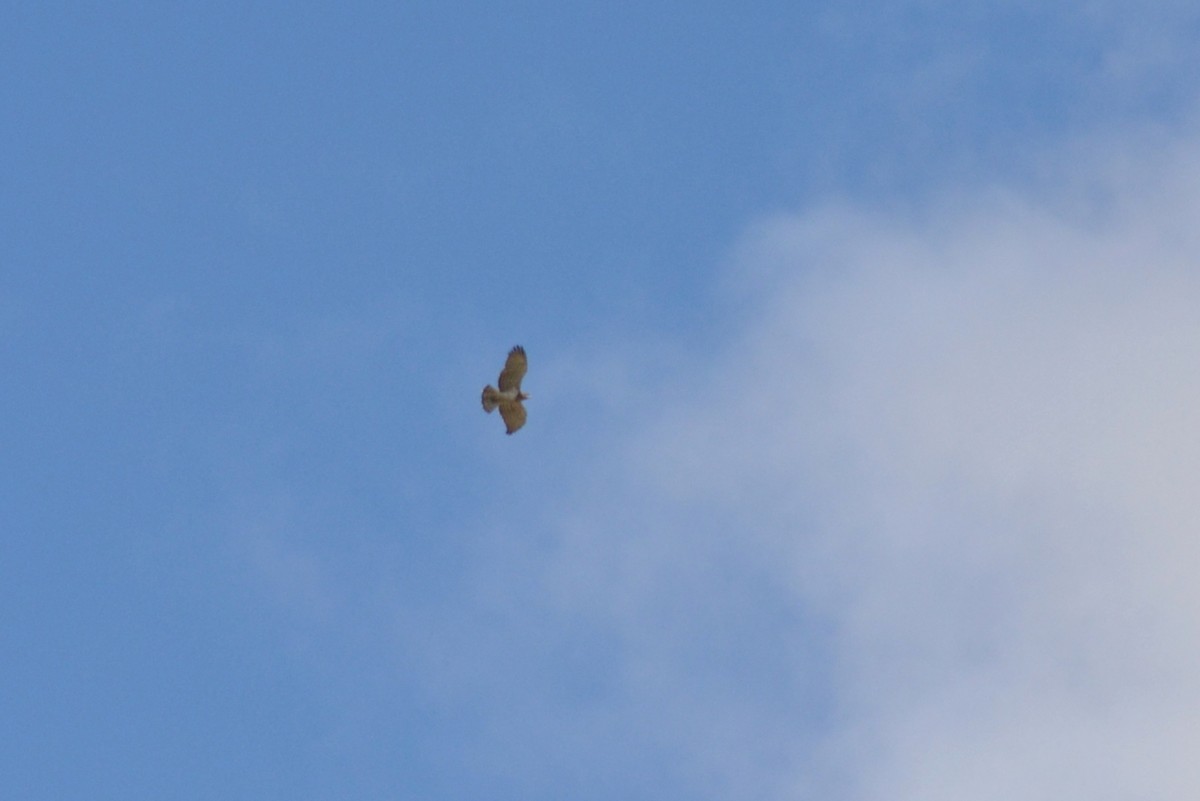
x=925, y=529
x=960, y=444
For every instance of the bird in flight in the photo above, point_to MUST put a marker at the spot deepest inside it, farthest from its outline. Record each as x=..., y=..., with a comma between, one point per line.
x=508, y=398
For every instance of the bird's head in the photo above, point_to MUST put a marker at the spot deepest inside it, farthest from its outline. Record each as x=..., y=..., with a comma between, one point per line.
x=522, y=396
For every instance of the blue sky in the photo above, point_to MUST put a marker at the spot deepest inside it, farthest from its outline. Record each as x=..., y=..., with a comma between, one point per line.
x=860, y=456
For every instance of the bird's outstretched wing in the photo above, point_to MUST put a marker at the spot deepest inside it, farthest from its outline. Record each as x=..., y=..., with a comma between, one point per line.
x=513, y=413
x=514, y=371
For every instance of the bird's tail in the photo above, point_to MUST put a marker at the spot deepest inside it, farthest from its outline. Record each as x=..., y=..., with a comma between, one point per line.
x=489, y=398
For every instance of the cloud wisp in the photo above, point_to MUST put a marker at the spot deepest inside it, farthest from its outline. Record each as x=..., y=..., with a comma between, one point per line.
x=924, y=529
x=945, y=481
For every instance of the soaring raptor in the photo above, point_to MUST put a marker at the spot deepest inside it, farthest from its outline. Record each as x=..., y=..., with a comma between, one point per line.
x=508, y=398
